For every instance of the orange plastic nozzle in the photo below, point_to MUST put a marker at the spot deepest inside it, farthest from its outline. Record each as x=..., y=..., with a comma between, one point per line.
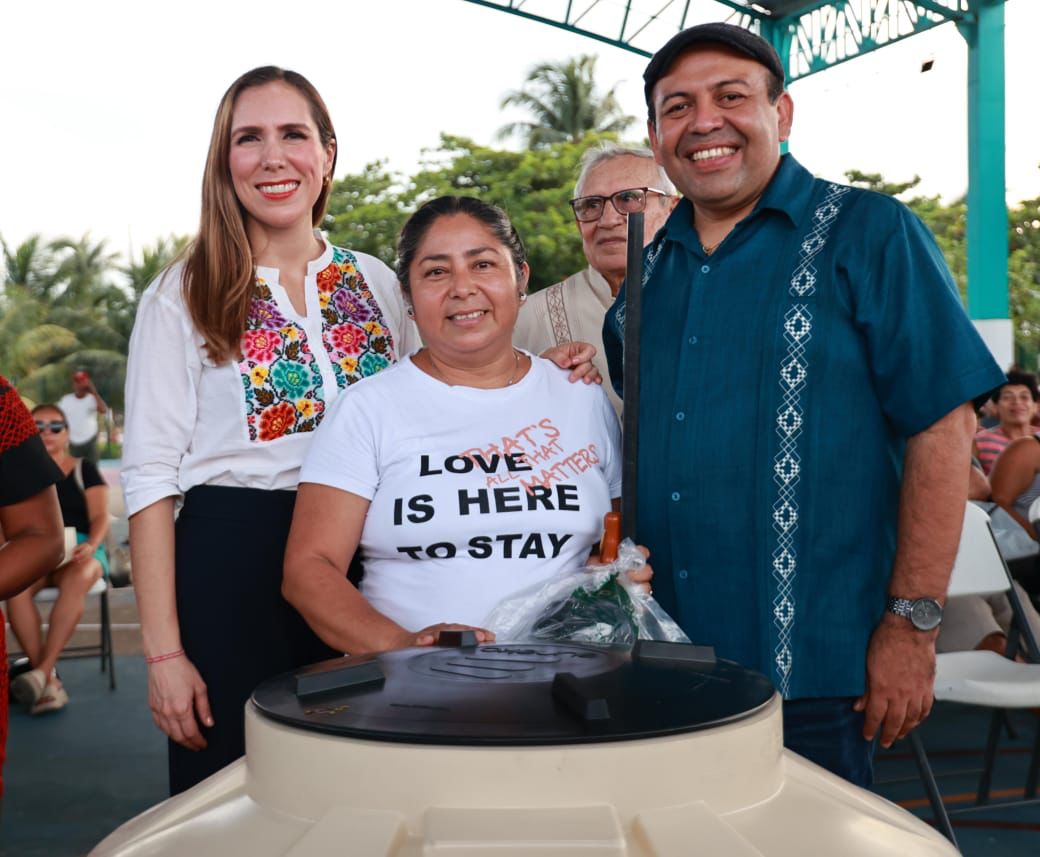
x=611, y=537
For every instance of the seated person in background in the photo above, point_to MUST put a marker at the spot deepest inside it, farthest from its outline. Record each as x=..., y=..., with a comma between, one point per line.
x=981, y=621
x=1015, y=402
x=1015, y=479
x=465, y=473
x=83, y=496
x=30, y=520
x=614, y=181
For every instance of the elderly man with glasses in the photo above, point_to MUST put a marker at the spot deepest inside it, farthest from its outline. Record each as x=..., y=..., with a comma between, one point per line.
x=614, y=182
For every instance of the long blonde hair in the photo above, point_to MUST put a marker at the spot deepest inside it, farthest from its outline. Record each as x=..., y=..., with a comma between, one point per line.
x=219, y=270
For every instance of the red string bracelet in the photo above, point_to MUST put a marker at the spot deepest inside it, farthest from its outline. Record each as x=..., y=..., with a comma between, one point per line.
x=169, y=656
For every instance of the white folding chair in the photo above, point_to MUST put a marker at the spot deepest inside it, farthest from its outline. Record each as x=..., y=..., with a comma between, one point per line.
x=983, y=677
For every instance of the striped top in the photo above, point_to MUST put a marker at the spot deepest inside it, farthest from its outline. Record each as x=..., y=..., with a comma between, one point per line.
x=990, y=443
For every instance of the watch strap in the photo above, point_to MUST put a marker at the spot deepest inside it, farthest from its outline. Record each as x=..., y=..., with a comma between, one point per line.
x=900, y=606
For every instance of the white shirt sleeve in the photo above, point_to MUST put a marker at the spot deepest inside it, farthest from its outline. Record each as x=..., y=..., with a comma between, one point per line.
x=344, y=453
x=612, y=453
x=162, y=378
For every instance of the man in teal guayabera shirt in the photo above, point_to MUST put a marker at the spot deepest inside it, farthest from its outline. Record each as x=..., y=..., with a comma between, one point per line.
x=805, y=424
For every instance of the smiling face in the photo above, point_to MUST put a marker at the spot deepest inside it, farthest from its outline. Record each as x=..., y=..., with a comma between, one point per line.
x=277, y=162
x=465, y=291
x=717, y=134
x=604, y=241
x=1015, y=406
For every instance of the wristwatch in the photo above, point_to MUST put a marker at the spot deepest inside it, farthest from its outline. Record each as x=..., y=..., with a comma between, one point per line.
x=925, y=614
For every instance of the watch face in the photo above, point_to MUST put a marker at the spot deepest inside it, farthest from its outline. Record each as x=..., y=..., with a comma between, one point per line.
x=926, y=614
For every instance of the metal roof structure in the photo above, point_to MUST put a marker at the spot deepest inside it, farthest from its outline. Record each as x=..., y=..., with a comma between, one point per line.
x=812, y=36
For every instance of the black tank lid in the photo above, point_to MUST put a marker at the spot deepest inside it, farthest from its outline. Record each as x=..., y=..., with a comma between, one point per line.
x=516, y=694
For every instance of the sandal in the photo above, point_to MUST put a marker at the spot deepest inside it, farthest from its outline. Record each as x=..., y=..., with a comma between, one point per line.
x=54, y=698
x=29, y=687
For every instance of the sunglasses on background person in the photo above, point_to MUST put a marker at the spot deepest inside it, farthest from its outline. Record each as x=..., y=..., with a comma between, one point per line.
x=54, y=426
x=627, y=201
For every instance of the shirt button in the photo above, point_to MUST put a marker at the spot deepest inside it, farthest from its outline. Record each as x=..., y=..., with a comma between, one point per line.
x=680, y=416
x=675, y=495
x=705, y=269
x=692, y=340
x=683, y=574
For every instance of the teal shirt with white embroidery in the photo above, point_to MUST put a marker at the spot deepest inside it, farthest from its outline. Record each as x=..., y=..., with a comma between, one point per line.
x=780, y=378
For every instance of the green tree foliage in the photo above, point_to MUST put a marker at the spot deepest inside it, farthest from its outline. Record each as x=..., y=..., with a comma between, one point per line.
x=367, y=210
x=877, y=182
x=139, y=273
x=564, y=105
x=62, y=307
x=948, y=222
x=1024, y=279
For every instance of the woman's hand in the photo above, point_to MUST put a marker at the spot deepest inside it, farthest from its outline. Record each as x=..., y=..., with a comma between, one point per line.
x=428, y=636
x=83, y=551
x=178, y=699
x=576, y=356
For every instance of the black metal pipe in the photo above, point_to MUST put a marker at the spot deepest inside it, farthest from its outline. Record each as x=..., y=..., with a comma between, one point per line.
x=630, y=415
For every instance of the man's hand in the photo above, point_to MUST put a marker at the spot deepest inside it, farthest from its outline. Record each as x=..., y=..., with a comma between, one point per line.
x=900, y=679
x=576, y=356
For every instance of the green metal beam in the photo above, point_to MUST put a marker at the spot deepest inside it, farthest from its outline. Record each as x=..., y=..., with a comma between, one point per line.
x=811, y=36
x=830, y=32
x=568, y=23
x=987, y=207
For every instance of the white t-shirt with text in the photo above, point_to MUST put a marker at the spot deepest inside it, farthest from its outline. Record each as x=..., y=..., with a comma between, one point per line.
x=475, y=494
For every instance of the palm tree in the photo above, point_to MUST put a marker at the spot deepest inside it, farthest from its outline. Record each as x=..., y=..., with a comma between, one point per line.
x=564, y=104
x=28, y=268
x=83, y=266
x=57, y=309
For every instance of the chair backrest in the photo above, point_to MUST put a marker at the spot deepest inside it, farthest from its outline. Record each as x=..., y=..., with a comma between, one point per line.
x=979, y=567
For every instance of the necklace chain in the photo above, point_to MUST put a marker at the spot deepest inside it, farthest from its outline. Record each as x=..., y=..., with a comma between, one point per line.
x=513, y=378
x=709, y=250
x=516, y=369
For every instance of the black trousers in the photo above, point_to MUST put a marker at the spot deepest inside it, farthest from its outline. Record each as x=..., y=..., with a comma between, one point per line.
x=235, y=626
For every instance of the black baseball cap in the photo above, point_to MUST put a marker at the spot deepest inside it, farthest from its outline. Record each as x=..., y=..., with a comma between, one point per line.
x=716, y=33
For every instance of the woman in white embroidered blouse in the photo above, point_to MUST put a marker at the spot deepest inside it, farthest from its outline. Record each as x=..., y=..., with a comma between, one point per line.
x=236, y=354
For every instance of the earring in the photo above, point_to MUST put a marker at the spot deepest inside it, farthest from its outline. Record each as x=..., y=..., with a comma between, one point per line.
x=409, y=311
x=523, y=296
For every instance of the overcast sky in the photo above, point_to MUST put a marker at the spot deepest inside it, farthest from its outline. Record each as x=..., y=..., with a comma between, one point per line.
x=107, y=106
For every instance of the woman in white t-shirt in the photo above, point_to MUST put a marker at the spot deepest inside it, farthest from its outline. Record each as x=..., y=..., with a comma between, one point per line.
x=468, y=471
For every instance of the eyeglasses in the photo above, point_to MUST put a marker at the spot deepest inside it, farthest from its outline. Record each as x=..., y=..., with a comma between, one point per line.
x=627, y=201
x=54, y=426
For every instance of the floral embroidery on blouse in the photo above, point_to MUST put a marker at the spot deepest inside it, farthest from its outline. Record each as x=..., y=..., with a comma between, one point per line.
x=356, y=337
x=280, y=377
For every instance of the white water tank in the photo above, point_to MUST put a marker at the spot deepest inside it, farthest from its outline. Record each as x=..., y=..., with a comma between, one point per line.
x=522, y=750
